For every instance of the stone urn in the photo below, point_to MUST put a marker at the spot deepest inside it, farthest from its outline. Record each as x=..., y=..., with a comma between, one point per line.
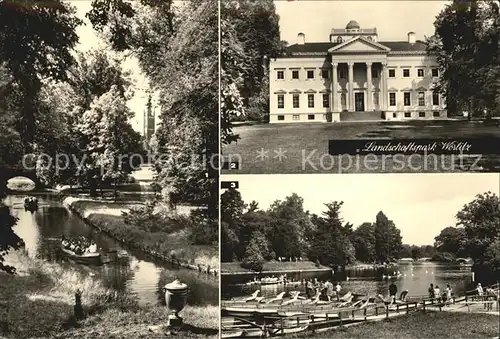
x=175, y=299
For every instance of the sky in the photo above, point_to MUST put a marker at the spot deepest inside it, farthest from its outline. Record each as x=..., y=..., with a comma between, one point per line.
x=393, y=19
x=89, y=40
x=420, y=205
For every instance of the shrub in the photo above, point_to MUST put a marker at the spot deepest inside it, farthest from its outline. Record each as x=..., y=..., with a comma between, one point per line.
x=203, y=230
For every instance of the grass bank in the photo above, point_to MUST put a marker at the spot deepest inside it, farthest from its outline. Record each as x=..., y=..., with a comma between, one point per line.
x=306, y=144
x=419, y=325
x=38, y=302
x=273, y=266
x=157, y=244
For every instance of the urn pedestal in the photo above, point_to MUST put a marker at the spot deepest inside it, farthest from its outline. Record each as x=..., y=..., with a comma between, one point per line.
x=175, y=299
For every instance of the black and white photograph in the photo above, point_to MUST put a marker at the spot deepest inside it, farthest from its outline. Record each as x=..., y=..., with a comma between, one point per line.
x=360, y=86
x=109, y=129
x=361, y=256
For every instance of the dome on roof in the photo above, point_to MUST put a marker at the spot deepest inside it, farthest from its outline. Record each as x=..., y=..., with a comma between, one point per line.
x=353, y=24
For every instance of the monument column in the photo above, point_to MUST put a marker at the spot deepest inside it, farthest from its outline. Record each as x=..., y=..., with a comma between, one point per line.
x=369, y=86
x=335, y=98
x=350, y=102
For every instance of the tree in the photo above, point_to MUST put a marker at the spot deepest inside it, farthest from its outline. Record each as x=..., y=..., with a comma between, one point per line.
x=36, y=42
x=481, y=222
x=105, y=126
x=363, y=240
x=387, y=238
x=253, y=258
x=229, y=243
x=492, y=257
x=452, y=240
x=290, y=225
x=466, y=43
x=331, y=244
x=8, y=239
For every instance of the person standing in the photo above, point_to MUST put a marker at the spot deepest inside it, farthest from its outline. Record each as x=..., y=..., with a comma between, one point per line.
x=437, y=292
x=338, y=288
x=309, y=288
x=329, y=290
x=448, y=293
x=431, y=291
x=393, y=291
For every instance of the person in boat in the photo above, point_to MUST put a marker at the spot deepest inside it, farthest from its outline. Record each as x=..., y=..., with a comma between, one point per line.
x=338, y=288
x=393, y=291
x=431, y=291
x=92, y=248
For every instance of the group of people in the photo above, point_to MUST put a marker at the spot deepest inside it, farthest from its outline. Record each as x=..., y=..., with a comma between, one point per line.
x=328, y=290
x=436, y=293
x=79, y=246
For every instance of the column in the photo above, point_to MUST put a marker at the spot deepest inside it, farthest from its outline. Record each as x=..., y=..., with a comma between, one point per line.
x=383, y=89
x=369, y=86
x=335, y=97
x=350, y=99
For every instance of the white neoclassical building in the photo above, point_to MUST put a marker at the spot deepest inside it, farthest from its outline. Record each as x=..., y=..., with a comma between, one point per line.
x=354, y=76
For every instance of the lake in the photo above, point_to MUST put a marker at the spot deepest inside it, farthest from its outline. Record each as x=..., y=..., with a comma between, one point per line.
x=415, y=278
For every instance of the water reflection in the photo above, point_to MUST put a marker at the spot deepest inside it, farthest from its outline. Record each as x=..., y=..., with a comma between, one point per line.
x=136, y=274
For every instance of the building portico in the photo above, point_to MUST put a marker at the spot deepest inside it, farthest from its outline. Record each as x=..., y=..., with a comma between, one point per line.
x=356, y=77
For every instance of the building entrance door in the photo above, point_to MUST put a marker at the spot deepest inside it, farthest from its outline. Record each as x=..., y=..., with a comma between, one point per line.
x=359, y=102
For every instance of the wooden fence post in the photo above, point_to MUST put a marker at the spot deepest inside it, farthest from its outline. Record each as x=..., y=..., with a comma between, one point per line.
x=387, y=311
x=78, y=309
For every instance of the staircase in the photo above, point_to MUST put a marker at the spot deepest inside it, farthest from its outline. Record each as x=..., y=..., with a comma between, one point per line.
x=361, y=116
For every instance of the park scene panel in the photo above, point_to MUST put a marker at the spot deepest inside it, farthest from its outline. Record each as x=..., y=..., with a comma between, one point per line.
x=360, y=255
x=108, y=169
x=374, y=71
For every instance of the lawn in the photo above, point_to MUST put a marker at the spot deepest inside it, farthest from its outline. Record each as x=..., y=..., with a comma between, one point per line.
x=420, y=325
x=38, y=303
x=305, y=147
x=234, y=267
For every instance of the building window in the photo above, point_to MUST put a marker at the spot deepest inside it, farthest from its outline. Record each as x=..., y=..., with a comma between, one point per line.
x=435, y=72
x=295, y=74
x=280, y=75
x=310, y=100
x=392, y=99
x=421, y=114
x=407, y=114
x=374, y=73
x=375, y=98
x=394, y=115
x=310, y=117
x=281, y=101
x=296, y=101
x=343, y=99
x=435, y=114
x=310, y=74
x=406, y=73
x=296, y=117
x=340, y=40
x=326, y=100
x=420, y=72
x=324, y=74
x=435, y=98
x=281, y=117
x=342, y=74
x=407, y=98
x=392, y=73
x=421, y=98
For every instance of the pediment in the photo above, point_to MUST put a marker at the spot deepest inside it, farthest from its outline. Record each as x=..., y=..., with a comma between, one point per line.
x=359, y=44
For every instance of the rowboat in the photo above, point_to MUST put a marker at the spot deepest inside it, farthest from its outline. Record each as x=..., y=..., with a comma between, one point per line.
x=270, y=281
x=86, y=258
